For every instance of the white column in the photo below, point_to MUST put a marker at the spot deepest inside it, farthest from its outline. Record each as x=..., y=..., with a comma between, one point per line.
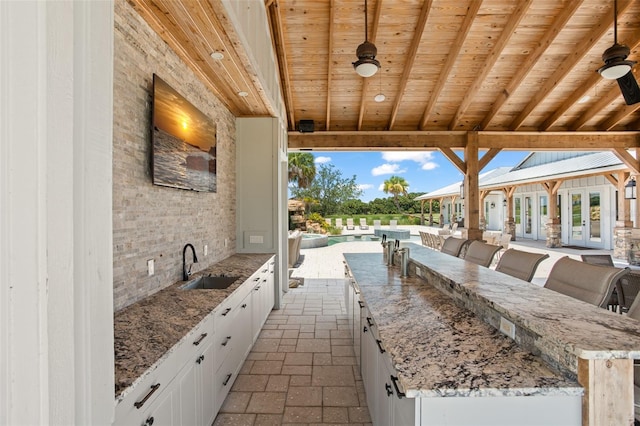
x=56, y=310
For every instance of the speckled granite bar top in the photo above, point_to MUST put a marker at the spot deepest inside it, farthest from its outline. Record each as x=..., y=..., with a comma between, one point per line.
x=147, y=329
x=440, y=349
x=561, y=322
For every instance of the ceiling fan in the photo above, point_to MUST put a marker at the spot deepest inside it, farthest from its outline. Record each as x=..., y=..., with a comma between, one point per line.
x=366, y=65
x=617, y=67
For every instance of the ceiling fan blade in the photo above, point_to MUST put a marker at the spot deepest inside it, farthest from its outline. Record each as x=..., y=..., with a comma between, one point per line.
x=629, y=88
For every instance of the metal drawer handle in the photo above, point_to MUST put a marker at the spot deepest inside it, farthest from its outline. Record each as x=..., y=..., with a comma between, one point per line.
x=379, y=342
x=256, y=279
x=226, y=311
x=257, y=288
x=244, y=305
x=226, y=380
x=387, y=387
x=202, y=336
x=360, y=304
x=149, y=421
x=365, y=329
x=226, y=341
x=200, y=359
x=370, y=322
x=140, y=403
x=394, y=380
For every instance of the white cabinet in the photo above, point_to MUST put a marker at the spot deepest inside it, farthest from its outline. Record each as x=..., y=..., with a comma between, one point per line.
x=189, y=384
x=195, y=381
x=263, y=298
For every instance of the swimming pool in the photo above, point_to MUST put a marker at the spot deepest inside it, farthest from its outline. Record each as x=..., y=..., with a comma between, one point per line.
x=335, y=239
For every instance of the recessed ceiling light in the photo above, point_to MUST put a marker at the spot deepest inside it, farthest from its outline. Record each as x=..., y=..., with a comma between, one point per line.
x=217, y=56
x=584, y=99
x=243, y=94
x=380, y=97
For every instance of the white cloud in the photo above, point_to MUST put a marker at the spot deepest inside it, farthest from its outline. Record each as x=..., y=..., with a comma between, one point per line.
x=381, y=187
x=322, y=160
x=365, y=186
x=429, y=165
x=387, y=169
x=424, y=158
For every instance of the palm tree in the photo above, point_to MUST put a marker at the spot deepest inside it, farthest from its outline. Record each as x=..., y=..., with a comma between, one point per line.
x=396, y=186
x=302, y=169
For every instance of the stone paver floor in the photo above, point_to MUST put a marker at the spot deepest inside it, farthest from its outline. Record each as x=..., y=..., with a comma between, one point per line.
x=302, y=369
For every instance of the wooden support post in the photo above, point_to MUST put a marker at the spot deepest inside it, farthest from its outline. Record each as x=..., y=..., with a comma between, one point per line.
x=471, y=188
x=608, y=391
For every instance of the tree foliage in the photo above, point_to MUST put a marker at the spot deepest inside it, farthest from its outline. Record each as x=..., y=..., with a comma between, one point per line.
x=302, y=168
x=396, y=186
x=330, y=190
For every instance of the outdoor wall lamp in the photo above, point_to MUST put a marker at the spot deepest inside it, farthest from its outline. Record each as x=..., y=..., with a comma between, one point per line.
x=462, y=190
x=630, y=189
x=493, y=205
x=504, y=202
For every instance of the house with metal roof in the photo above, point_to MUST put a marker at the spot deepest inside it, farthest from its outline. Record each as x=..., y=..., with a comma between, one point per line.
x=585, y=186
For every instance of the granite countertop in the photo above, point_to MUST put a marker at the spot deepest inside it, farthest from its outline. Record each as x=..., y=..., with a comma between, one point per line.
x=561, y=323
x=440, y=349
x=147, y=329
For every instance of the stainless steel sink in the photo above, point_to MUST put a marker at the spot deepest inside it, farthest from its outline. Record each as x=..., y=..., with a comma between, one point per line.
x=218, y=282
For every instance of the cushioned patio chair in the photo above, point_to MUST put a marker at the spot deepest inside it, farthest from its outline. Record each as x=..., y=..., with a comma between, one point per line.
x=606, y=260
x=628, y=288
x=350, y=224
x=520, y=264
x=376, y=224
x=453, y=246
x=363, y=223
x=590, y=283
x=481, y=253
x=339, y=223
x=393, y=224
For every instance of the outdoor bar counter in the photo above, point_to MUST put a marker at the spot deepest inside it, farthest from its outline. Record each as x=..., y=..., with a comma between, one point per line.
x=440, y=328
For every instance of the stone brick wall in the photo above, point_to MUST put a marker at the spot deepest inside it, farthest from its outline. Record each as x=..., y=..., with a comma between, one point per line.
x=155, y=222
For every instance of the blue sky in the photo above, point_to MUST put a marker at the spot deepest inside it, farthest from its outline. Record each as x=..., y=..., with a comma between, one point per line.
x=425, y=171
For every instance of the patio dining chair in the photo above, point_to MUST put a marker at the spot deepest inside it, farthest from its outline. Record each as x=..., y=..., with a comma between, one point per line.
x=520, y=264
x=590, y=283
x=424, y=238
x=453, y=246
x=628, y=288
x=606, y=260
x=481, y=253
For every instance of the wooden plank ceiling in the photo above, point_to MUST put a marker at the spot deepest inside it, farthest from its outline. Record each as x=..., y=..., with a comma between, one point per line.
x=516, y=67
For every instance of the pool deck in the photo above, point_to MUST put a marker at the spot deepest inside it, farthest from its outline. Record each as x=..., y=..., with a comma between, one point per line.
x=327, y=262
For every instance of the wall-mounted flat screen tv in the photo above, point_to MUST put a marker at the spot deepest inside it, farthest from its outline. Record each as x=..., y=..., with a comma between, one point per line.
x=184, y=142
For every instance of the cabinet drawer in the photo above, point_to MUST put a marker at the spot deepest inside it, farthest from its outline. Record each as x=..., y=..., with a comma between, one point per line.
x=143, y=394
x=224, y=378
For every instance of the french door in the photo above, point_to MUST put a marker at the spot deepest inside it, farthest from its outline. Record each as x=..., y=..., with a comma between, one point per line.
x=524, y=216
x=585, y=226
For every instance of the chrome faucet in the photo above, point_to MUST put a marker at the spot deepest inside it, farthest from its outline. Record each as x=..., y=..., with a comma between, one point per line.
x=186, y=272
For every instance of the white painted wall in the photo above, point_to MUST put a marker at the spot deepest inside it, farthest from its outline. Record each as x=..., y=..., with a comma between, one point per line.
x=56, y=325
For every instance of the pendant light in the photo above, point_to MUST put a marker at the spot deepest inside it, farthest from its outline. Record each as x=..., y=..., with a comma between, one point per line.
x=366, y=65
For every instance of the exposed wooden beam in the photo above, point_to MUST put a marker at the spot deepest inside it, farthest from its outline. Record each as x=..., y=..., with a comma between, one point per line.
x=633, y=41
x=330, y=65
x=531, y=59
x=489, y=62
x=605, y=100
x=443, y=75
x=612, y=179
x=411, y=57
x=487, y=157
x=457, y=161
x=365, y=81
x=281, y=56
x=628, y=160
x=581, y=49
x=622, y=113
x=431, y=140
